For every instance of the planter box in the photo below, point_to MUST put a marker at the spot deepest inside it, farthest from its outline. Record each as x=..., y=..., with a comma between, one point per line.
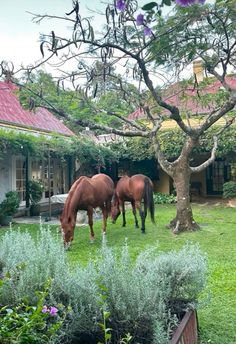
x=186, y=332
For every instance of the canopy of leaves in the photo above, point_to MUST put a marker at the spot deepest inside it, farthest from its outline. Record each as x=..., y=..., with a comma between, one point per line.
x=171, y=142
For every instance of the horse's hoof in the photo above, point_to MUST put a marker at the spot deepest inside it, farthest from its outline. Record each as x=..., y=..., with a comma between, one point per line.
x=143, y=231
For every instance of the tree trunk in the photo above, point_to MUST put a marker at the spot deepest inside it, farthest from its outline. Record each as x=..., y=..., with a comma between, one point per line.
x=184, y=216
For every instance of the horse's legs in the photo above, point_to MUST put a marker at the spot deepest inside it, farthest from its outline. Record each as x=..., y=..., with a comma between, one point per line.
x=90, y=222
x=123, y=213
x=105, y=212
x=135, y=214
x=143, y=215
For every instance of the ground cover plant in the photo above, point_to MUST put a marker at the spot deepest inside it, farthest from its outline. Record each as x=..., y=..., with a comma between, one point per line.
x=217, y=238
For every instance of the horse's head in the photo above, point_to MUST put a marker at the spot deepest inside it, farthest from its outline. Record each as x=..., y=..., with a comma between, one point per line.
x=67, y=229
x=115, y=208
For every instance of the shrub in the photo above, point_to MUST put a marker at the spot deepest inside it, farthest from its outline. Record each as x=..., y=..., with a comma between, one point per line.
x=35, y=191
x=10, y=204
x=161, y=198
x=30, y=324
x=229, y=189
x=144, y=299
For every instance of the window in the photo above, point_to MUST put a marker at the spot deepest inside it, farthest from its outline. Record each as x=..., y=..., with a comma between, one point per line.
x=20, y=178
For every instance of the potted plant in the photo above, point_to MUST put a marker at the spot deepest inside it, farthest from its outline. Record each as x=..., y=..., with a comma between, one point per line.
x=229, y=192
x=35, y=194
x=9, y=207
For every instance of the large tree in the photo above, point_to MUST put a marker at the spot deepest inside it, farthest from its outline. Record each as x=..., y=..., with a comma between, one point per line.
x=148, y=45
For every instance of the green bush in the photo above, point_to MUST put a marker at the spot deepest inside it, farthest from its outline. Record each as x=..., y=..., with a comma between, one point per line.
x=161, y=198
x=10, y=204
x=35, y=191
x=144, y=299
x=24, y=323
x=229, y=189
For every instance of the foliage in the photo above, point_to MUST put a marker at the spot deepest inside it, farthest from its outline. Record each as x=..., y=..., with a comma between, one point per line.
x=216, y=238
x=35, y=191
x=137, y=295
x=161, y=198
x=24, y=323
x=41, y=90
x=61, y=147
x=171, y=142
x=229, y=189
x=10, y=204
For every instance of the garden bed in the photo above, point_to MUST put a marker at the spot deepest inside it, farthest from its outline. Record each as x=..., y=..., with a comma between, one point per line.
x=186, y=332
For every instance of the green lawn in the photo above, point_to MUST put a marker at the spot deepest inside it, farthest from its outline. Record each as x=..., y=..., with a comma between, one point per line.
x=217, y=238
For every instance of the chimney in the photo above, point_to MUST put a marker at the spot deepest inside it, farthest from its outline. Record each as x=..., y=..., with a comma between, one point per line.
x=198, y=70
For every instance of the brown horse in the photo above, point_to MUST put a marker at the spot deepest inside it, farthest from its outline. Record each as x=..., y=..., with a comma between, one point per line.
x=134, y=189
x=86, y=194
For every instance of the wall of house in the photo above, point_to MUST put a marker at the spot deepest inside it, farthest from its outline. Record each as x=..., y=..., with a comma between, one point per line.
x=5, y=176
x=200, y=178
x=37, y=170
x=163, y=184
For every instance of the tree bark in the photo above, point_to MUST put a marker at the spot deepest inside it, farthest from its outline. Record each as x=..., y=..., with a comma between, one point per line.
x=180, y=171
x=183, y=220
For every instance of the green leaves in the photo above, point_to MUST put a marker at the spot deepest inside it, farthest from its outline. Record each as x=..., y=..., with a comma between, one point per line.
x=150, y=6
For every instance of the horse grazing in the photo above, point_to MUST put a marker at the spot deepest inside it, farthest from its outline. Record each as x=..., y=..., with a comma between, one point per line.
x=86, y=194
x=134, y=189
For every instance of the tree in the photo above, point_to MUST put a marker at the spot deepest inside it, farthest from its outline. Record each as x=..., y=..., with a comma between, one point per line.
x=147, y=45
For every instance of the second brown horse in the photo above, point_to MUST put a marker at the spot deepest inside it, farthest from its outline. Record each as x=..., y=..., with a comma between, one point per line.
x=86, y=194
x=134, y=189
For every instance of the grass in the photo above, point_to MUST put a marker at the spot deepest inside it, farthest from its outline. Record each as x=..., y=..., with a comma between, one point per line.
x=217, y=238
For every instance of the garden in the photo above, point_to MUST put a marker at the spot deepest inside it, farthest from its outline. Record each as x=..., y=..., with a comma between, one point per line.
x=128, y=288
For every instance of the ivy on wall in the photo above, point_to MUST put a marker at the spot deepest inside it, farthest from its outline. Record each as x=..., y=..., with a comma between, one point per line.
x=83, y=149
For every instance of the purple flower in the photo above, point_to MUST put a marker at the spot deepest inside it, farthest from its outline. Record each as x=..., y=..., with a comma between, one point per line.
x=185, y=3
x=53, y=311
x=45, y=309
x=140, y=19
x=120, y=5
x=147, y=31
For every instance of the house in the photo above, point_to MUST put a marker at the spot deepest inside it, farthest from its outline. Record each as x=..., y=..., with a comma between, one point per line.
x=210, y=181
x=16, y=167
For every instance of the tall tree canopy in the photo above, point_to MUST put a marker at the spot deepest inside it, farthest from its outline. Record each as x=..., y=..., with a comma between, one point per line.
x=147, y=45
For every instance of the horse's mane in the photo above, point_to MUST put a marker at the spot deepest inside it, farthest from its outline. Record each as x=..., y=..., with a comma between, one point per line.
x=71, y=194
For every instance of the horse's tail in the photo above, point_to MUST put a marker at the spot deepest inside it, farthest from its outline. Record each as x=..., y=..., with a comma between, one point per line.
x=148, y=199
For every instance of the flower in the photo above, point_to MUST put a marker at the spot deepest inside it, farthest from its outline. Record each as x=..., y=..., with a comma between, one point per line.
x=140, y=19
x=121, y=5
x=147, y=31
x=53, y=311
x=185, y=3
x=45, y=309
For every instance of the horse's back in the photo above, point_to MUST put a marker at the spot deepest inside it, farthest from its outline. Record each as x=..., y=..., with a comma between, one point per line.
x=122, y=189
x=130, y=188
x=103, y=188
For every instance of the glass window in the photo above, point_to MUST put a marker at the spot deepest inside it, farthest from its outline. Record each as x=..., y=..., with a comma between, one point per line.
x=20, y=178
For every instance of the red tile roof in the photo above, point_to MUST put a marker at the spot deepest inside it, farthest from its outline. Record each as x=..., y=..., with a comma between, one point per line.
x=11, y=112
x=174, y=96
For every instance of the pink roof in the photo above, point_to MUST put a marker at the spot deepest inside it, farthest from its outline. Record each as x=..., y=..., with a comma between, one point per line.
x=173, y=96
x=11, y=112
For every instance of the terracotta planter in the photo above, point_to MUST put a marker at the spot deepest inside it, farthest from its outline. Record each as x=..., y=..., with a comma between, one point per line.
x=186, y=332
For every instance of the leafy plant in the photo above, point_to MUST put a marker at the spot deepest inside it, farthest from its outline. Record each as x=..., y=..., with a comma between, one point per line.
x=35, y=191
x=160, y=198
x=137, y=297
x=229, y=189
x=10, y=204
x=25, y=323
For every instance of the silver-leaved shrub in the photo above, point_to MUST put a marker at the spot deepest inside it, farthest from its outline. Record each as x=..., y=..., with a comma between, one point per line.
x=145, y=298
